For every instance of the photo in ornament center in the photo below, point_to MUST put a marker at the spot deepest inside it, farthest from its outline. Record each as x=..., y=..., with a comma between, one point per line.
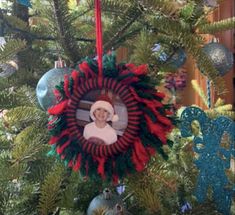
x=105, y=103
x=140, y=131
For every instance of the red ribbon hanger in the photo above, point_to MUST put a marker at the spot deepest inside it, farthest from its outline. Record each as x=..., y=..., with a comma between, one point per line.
x=99, y=44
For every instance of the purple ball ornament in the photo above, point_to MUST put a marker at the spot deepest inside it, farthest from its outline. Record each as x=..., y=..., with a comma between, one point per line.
x=175, y=81
x=220, y=56
x=46, y=85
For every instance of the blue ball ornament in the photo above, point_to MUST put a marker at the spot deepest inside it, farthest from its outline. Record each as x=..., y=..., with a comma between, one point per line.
x=221, y=57
x=47, y=84
x=172, y=58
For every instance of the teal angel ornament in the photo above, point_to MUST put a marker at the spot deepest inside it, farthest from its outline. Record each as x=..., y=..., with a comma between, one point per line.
x=214, y=155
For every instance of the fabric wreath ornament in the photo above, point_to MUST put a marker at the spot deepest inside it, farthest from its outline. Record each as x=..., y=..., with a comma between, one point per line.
x=148, y=120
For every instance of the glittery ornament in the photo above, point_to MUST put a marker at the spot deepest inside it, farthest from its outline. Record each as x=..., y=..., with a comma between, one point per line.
x=208, y=89
x=221, y=57
x=24, y=2
x=2, y=42
x=118, y=210
x=210, y=3
x=46, y=85
x=107, y=200
x=120, y=189
x=213, y=156
x=172, y=58
x=11, y=66
x=175, y=81
x=8, y=68
x=186, y=207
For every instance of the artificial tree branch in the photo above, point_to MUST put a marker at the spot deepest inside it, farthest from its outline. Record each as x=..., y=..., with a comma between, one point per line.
x=66, y=37
x=31, y=36
x=108, y=45
x=215, y=27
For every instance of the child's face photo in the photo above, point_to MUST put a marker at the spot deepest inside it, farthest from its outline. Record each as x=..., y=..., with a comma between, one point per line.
x=101, y=114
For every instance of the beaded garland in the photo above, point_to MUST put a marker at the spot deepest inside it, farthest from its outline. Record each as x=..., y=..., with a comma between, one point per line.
x=149, y=120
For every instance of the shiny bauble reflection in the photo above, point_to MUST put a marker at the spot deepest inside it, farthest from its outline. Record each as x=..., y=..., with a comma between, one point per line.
x=46, y=85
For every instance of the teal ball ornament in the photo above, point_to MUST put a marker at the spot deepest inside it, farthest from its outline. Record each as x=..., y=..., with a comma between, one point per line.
x=46, y=86
x=220, y=56
x=107, y=200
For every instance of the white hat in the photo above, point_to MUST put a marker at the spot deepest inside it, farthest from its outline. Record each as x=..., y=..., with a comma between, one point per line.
x=105, y=102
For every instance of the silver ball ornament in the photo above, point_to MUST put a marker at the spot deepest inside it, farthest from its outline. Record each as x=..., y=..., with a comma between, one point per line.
x=11, y=66
x=46, y=86
x=8, y=68
x=107, y=200
x=220, y=56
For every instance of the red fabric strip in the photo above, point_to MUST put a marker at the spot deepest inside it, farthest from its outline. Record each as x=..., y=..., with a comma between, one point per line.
x=58, y=108
x=60, y=149
x=66, y=85
x=55, y=139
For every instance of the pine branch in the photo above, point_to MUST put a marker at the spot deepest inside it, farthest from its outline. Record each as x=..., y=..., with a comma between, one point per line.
x=28, y=144
x=66, y=36
x=108, y=45
x=15, y=21
x=187, y=12
x=17, y=25
x=23, y=116
x=116, y=8
x=221, y=109
x=192, y=43
x=215, y=27
x=127, y=37
x=167, y=7
x=10, y=98
x=11, y=48
x=214, y=114
x=200, y=92
x=123, y=23
x=50, y=191
x=147, y=195
x=142, y=53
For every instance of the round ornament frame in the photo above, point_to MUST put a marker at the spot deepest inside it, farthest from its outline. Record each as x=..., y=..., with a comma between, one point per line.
x=133, y=110
x=149, y=120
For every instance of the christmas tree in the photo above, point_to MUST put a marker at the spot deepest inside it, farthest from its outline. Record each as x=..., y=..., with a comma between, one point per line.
x=154, y=32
